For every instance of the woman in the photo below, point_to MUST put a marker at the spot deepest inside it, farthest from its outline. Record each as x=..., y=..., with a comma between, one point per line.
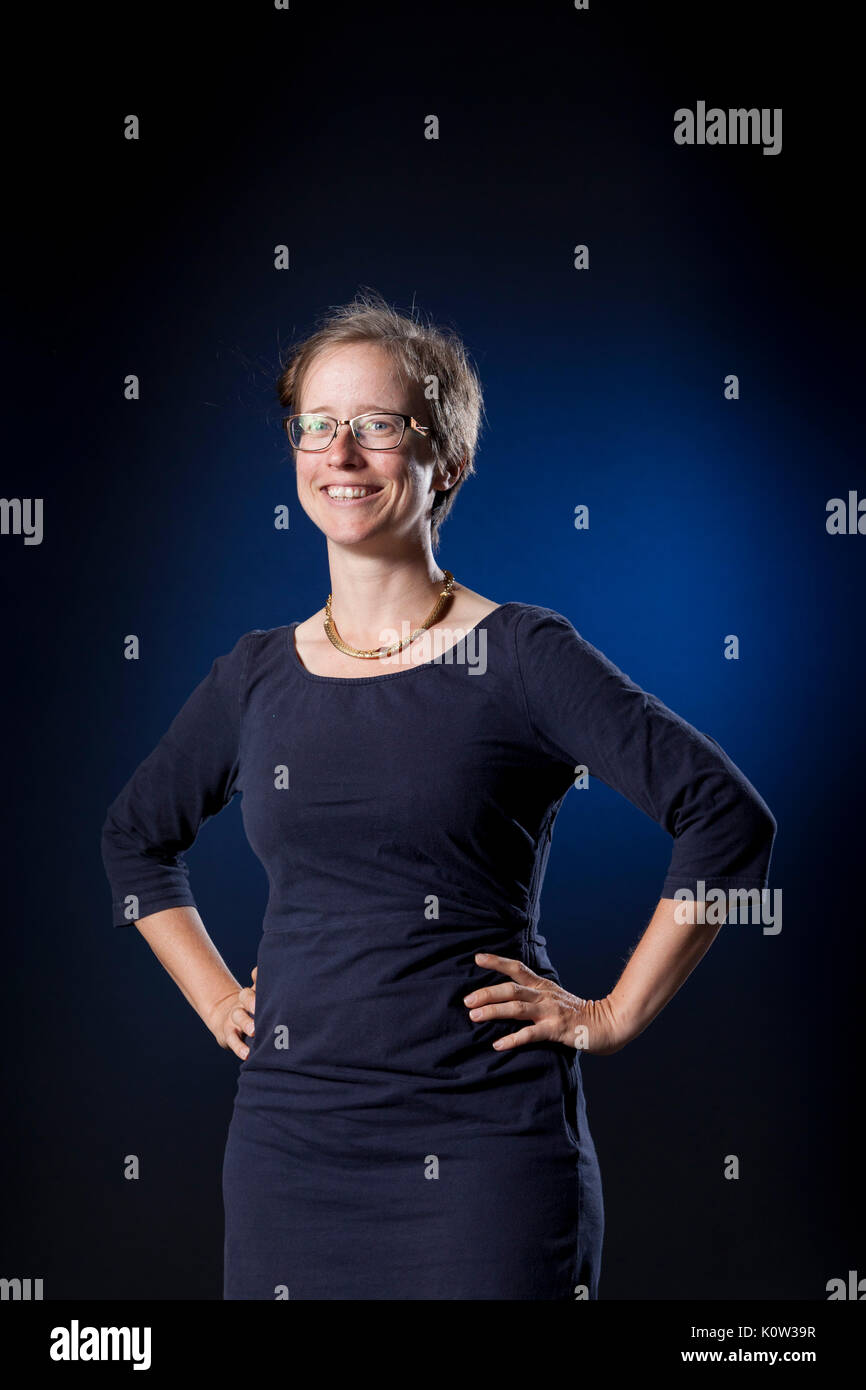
x=409, y=1121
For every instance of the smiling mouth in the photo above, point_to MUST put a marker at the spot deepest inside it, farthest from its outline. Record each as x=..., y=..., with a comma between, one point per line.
x=345, y=492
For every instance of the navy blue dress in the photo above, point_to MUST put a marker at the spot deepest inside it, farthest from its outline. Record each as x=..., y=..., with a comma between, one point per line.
x=379, y=1147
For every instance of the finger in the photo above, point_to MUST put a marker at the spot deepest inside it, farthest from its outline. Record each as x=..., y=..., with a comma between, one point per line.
x=534, y=1034
x=507, y=966
x=239, y=1048
x=242, y=1021
x=511, y=1008
x=247, y=997
x=233, y=1042
x=254, y=972
x=491, y=994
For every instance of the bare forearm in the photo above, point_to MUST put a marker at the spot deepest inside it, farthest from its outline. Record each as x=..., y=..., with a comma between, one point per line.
x=662, y=961
x=178, y=939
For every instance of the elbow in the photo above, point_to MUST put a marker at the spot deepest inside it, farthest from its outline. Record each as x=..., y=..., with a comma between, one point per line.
x=763, y=821
x=116, y=838
x=758, y=829
x=108, y=833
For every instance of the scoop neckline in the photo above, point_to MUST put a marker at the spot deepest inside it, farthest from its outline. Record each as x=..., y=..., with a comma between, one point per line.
x=386, y=675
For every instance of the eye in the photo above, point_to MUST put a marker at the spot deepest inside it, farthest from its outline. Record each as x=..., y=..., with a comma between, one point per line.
x=380, y=424
x=313, y=424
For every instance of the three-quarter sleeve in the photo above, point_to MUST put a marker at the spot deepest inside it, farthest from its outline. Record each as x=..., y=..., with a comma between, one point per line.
x=190, y=775
x=585, y=711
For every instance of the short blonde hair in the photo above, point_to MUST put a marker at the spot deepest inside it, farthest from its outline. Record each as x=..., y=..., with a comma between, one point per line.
x=420, y=351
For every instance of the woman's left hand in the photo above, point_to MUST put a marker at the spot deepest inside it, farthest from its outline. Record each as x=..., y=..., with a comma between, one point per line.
x=549, y=1012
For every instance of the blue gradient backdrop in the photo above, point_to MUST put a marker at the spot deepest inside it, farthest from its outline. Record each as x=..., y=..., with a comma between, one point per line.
x=707, y=518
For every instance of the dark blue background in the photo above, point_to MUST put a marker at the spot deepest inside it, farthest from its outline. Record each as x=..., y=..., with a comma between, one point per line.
x=707, y=518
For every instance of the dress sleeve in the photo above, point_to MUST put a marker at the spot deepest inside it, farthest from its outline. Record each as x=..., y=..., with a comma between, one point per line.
x=190, y=775
x=584, y=710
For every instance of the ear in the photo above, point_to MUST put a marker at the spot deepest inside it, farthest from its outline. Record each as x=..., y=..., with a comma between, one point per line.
x=446, y=474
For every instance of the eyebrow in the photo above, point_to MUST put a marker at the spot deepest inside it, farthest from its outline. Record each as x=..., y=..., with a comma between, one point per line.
x=329, y=410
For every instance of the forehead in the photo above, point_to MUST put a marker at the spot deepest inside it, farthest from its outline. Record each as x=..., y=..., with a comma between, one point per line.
x=351, y=371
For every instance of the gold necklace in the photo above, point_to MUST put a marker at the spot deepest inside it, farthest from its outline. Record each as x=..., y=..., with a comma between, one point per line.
x=333, y=634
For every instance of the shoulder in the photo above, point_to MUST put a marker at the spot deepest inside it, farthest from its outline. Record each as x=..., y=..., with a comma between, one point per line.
x=259, y=644
x=535, y=622
x=549, y=648
x=250, y=652
x=259, y=638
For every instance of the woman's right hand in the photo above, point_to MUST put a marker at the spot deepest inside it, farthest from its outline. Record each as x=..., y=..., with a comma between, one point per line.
x=232, y=1018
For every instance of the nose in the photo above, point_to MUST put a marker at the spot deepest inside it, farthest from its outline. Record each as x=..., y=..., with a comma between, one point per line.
x=343, y=448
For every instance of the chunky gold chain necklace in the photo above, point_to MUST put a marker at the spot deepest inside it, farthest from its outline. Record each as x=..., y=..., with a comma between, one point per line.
x=333, y=634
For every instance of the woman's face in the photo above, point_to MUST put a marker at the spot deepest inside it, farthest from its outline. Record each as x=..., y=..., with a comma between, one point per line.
x=344, y=382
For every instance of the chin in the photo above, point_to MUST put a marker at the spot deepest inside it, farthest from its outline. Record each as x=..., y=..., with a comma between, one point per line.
x=347, y=532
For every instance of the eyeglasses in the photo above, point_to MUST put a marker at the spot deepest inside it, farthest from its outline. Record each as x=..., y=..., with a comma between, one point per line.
x=372, y=431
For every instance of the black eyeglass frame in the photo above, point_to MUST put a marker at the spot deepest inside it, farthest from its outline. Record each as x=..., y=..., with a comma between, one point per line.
x=368, y=414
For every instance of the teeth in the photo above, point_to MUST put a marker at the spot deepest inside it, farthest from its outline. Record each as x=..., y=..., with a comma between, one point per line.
x=350, y=491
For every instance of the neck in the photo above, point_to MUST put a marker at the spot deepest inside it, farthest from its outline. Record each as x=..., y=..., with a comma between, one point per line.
x=373, y=595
